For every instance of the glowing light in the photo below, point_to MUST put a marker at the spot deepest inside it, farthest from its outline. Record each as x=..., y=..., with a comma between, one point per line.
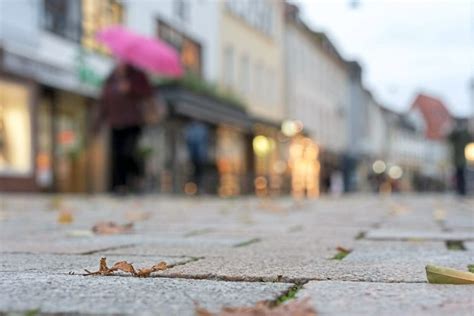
x=469, y=152
x=290, y=128
x=395, y=172
x=261, y=145
x=379, y=166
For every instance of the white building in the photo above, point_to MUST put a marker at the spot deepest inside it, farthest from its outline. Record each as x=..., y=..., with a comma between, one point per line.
x=420, y=158
x=316, y=87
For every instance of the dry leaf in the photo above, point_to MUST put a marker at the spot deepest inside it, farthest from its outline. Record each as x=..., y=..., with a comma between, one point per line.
x=103, y=269
x=203, y=312
x=444, y=275
x=343, y=249
x=123, y=266
x=111, y=228
x=160, y=266
x=103, y=264
x=143, y=273
x=294, y=308
x=65, y=217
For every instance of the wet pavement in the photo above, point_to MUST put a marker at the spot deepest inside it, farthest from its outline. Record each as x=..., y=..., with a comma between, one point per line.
x=235, y=252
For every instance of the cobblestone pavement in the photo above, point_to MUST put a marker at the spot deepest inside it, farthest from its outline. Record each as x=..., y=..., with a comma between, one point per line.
x=235, y=252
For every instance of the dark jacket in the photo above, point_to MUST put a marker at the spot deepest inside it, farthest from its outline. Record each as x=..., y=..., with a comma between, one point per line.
x=124, y=109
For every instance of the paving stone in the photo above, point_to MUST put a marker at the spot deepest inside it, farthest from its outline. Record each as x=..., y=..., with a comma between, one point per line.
x=54, y=264
x=398, y=265
x=62, y=242
x=399, y=234
x=279, y=241
x=364, y=245
x=374, y=265
x=365, y=298
x=127, y=295
x=258, y=267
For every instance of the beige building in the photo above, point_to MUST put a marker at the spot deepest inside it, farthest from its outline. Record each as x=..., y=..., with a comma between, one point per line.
x=251, y=63
x=316, y=84
x=317, y=94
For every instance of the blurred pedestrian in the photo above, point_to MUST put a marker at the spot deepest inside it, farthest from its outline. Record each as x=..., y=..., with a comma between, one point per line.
x=197, y=140
x=459, y=138
x=121, y=108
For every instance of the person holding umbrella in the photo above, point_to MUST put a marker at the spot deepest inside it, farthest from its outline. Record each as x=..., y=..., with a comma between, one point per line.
x=126, y=91
x=123, y=94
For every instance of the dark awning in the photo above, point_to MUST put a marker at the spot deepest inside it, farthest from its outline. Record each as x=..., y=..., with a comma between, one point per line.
x=201, y=107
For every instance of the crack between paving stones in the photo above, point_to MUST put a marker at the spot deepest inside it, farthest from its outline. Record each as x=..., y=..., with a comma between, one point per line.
x=288, y=295
x=278, y=279
x=247, y=242
x=91, y=252
x=295, y=281
x=408, y=239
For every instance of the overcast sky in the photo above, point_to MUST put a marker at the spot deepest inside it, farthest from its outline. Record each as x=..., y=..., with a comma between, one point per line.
x=405, y=46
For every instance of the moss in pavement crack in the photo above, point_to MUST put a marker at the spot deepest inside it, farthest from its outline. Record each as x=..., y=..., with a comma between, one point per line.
x=341, y=254
x=288, y=295
x=471, y=268
x=455, y=245
x=247, y=242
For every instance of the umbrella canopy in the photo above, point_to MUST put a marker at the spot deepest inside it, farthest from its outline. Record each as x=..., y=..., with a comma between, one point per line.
x=144, y=52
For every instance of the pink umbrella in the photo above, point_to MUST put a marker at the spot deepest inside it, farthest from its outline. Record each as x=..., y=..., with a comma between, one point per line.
x=144, y=52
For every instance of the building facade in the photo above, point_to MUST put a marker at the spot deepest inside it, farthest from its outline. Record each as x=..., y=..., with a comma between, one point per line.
x=51, y=70
x=317, y=90
x=49, y=84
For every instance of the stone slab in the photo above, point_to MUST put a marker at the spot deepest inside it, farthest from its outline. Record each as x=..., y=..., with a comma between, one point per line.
x=57, y=264
x=373, y=265
x=365, y=298
x=127, y=295
x=400, y=234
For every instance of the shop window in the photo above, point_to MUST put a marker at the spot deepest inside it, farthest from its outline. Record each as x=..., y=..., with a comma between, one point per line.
x=15, y=129
x=229, y=66
x=189, y=50
x=98, y=14
x=181, y=9
x=63, y=18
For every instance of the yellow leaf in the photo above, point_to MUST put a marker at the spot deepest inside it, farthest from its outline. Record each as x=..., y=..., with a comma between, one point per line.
x=65, y=217
x=444, y=275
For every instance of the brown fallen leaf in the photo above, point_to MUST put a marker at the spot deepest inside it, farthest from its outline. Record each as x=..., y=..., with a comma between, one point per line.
x=294, y=308
x=143, y=273
x=111, y=228
x=124, y=266
x=103, y=269
x=343, y=249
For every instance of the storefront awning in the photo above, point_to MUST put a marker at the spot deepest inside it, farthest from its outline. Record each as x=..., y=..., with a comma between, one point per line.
x=205, y=108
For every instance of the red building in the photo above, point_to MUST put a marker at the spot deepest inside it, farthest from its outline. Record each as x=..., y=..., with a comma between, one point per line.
x=437, y=119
